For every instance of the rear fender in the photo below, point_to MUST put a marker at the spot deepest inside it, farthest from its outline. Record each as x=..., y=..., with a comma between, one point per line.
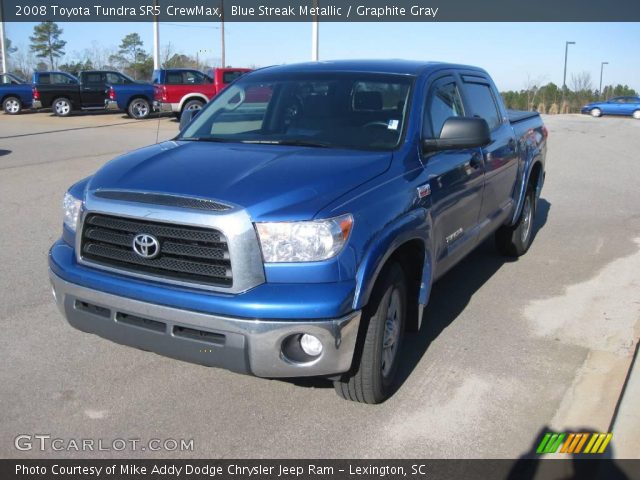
x=533, y=154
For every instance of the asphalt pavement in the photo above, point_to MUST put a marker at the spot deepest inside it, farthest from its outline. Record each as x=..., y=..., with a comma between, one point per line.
x=509, y=350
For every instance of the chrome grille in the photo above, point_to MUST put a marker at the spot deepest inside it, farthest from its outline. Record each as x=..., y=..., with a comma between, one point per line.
x=190, y=254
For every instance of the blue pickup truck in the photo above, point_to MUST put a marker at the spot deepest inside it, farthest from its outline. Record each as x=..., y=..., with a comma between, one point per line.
x=297, y=223
x=15, y=94
x=135, y=98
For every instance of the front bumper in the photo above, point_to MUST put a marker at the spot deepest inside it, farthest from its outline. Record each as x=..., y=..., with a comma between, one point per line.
x=250, y=346
x=111, y=105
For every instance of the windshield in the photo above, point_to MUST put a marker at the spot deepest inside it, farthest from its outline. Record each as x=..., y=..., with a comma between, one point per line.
x=348, y=110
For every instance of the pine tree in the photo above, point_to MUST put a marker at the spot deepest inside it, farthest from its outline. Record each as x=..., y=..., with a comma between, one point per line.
x=46, y=43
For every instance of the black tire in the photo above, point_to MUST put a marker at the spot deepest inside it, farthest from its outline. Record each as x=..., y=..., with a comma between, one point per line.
x=193, y=105
x=12, y=105
x=514, y=241
x=62, y=107
x=372, y=380
x=139, y=108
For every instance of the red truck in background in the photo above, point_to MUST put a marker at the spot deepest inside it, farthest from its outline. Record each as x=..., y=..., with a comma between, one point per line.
x=179, y=89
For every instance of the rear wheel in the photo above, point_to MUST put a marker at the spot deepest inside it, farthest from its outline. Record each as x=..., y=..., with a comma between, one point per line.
x=12, y=105
x=139, y=108
x=636, y=114
x=515, y=240
x=373, y=377
x=62, y=107
x=596, y=112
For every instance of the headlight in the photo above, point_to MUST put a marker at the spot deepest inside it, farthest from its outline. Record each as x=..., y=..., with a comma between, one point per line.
x=304, y=241
x=71, y=207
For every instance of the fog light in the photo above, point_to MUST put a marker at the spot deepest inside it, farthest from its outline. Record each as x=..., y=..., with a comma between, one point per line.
x=310, y=345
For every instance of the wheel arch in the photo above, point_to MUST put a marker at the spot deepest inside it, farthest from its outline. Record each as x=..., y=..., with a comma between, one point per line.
x=136, y=96
x=406, y=242
x=193, y=96
x=9, y=95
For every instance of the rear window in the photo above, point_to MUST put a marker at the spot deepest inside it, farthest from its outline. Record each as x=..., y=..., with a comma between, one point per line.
x=228, y=77
x=187, y=77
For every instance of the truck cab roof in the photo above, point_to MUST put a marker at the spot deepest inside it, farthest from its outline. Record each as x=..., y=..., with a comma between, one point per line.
x=392, y=66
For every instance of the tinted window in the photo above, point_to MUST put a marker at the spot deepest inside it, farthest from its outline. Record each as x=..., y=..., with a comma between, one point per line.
x=483, y=104
x=444, y=103
x=58, y=78
x=93, y=78
x=342, y=110
x=115, y=78
x=228, y=77
x=188, y=77
x=44, y=78
x=193, y=78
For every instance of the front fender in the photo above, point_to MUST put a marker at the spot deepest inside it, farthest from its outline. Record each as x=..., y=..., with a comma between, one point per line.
x=414, y=225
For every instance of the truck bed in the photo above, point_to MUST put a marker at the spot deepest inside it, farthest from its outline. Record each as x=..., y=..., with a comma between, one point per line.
x=516, y=116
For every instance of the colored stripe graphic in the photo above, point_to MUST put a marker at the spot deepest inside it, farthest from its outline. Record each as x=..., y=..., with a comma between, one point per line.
x=551, y=442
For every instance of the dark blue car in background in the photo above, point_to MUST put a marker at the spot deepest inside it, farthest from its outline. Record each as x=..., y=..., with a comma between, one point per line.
x=629, y=106
x=15, y=94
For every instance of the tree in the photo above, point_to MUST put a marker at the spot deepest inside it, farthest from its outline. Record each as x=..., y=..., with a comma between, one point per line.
x=131, y=52
x=46, y=43
x=8, y=49
x=74, y=68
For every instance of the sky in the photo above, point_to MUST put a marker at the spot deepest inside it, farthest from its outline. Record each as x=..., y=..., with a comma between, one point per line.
x=515, y=54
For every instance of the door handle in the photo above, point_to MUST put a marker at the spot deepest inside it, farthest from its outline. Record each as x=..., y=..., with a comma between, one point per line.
x=476, y=161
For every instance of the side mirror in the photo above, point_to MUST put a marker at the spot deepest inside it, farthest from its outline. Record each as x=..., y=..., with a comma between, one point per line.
x=459, y=133
x=186, y=117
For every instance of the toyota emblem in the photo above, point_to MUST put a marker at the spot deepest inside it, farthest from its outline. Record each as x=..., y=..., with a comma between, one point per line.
x=146, y=246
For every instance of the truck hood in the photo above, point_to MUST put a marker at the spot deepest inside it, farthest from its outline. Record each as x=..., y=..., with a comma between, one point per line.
x=273, y=182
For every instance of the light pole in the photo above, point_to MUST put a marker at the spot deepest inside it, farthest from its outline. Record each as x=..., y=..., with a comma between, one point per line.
x=602, y=64
x=223, y=60
x=315, y=37
x=3, y=46
x=566, y=51
x=156, y=40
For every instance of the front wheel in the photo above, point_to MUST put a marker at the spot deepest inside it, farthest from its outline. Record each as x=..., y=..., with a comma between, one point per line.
x=12, y=105
x=193, y=105
x=139, y=108
x=374, y=372
x=596, y=112
x=62, y=107
x=514, y=241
